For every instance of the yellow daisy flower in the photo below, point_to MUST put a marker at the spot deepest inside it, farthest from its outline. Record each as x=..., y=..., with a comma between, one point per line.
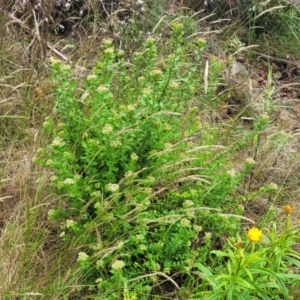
x=254, y=234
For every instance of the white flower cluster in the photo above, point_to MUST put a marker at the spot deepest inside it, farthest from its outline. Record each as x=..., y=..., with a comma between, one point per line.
x=115, y=143
x=112, y=187
x=57, y=141
x=117, y=265
x=82, y=256
x=102, y=89
x=188, y=203
x=185, y=222
x=91, y=77
x=107, y=129
x=70, y=223
x=68, y=181
x=134, y=157
x=250, y=161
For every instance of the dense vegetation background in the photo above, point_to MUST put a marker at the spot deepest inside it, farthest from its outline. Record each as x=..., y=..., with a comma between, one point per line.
x=149, y=149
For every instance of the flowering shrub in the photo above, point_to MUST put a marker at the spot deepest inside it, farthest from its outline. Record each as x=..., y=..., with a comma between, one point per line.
x=140, y=190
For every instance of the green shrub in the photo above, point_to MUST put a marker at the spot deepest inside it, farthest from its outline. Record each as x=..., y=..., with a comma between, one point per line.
x=141, y=177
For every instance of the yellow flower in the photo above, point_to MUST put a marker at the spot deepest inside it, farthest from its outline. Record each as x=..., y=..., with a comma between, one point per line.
x=254, y=234
x=288, y=209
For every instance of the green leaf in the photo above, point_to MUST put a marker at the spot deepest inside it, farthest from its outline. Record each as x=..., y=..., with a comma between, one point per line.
x=283, y=289
x=293, y=261
x=243, y=283
x=220, y=253
x=217, y=296
x=203, y=269
x=249, y=273
x=255, y=270
x=290, y=276
x=263, y=296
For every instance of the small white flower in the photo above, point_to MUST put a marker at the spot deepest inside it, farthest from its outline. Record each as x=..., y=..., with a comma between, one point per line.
x=117, y=265
x=137, y=54
x=150, y=41
x=65, y=67
x=99, y=263
x=46, y=124
x=241, y=207
x=250, y=161
x=134, y=157
x=91, y=77
x=107, y=42
x=115, y=143
x=188, y=203
x=265, y=116
x=82, y=256
x=150, y=178
x=167, y=145
x=51, y=213
x=156, y=267
x=131, y=107
x=102, y=88
x=208, y=235
x=109, y=50
x=53, y=60
x=98, y=280
x=231, y=173
x=120, y=244
x=146, y=91
x=68, y=181
x=107, y=129
x=53, y=178
x=139, y=237
x=156, y=72
x=193, y=192
x=273, y=186
x=148, y=190
x=77, y=176
x=70, y=223
x=128, y=173
x=167, y=126
x=197, y=228
x=190, y=213
x=185, y=222
x=49, y=162
x=62, y=234
x=121, y=52
x=96, y=194
x=57, y=141
x=112, y=187
x=98, y=206
x=173, y=84
x=143, y=247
